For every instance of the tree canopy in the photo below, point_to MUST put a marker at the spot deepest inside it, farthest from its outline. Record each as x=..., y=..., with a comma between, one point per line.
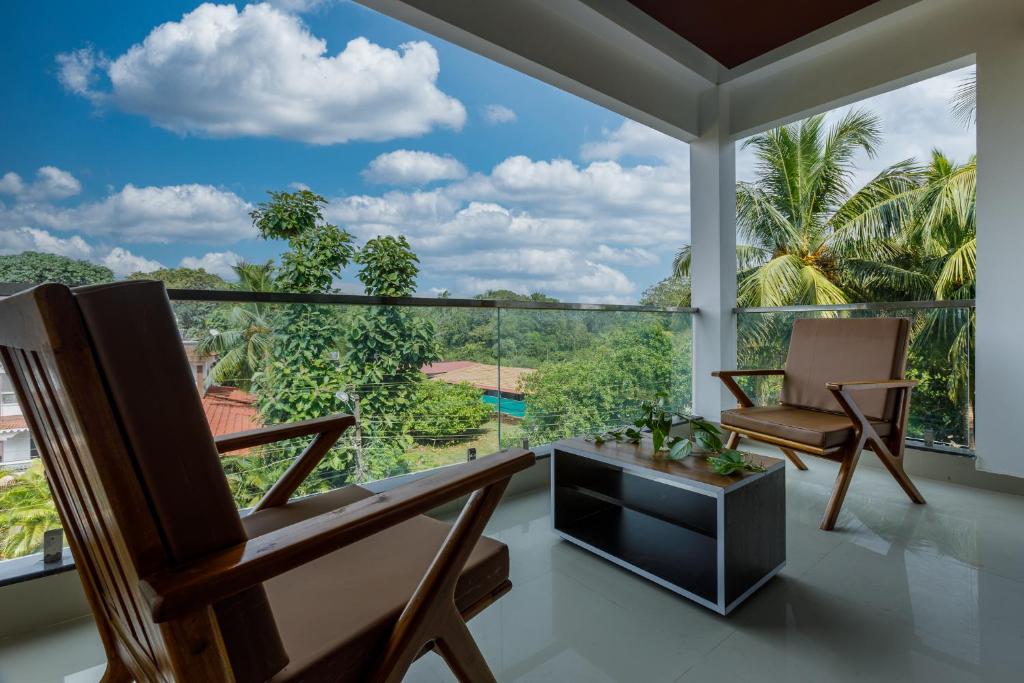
x=33, y=267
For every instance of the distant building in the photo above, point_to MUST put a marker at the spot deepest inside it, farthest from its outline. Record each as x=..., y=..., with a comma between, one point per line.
x=227, y=409
x=481, y=375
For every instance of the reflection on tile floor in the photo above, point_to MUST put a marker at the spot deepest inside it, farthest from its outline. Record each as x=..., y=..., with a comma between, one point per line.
x=899, y=593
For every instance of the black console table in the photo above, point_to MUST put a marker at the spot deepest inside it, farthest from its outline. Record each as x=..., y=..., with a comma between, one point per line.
x=714, y=539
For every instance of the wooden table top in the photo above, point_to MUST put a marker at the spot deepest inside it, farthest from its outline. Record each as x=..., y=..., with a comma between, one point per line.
x=694, y=467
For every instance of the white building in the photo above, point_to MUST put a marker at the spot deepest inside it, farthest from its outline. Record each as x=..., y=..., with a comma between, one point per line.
x=16, y=445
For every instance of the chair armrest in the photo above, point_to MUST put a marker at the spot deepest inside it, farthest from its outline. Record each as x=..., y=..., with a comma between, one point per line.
x=291, y=430
x=747, y=373
x=742, y=400
x=862, y=385
x=175, y=592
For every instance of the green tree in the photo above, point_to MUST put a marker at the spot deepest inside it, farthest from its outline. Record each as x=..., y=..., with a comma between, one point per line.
x=447, y=413
x=671, y=291
x=33, y=267
x=26, y=512
x=804, y=230
x=385, y=348
x=194, y=317
x=240, y=335
x=935, y=257
x=301, y=378
x=604, y=384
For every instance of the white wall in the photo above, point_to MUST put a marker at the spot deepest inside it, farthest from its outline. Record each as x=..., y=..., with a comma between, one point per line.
x=16, y=448
x=713, y=256
x=1000, y=298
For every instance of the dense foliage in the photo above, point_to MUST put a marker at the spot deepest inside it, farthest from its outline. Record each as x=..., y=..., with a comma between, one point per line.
x=26, y=512
x=34, y=267
x=447, y=413
x=603, y=384
x=385, y=348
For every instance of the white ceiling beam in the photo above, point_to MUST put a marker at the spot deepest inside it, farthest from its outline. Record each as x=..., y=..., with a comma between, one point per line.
x=571, y=46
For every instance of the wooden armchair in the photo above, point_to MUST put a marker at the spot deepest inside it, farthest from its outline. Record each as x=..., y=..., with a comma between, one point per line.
x=342, y=586
x=843, y=390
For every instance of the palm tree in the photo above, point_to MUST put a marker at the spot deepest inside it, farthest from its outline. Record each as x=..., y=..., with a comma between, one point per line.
x=27, y=511
x=243, y=336
x=800, y=223
x=964, y=104
x=935, y=257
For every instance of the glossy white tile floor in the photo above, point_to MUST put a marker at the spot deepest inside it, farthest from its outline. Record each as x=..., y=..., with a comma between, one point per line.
x=899, y=593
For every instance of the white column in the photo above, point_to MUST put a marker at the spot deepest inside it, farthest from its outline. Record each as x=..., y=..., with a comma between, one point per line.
x=713, y=270
x=1000, y=295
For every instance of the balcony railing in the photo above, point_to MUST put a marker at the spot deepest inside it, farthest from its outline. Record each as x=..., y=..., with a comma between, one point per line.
x=495, y=373
x=433, y=381
x=941, y=359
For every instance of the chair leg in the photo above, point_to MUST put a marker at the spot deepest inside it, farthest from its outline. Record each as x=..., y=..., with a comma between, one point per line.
x=835, y=503
x=794, y=458
x=895, y=466
x=460, y=652
x=431, y=615
x=733, y=440
x=116, y=672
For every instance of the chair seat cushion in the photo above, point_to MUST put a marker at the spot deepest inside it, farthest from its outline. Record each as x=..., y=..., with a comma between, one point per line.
x=336, y=613
x=814, y=428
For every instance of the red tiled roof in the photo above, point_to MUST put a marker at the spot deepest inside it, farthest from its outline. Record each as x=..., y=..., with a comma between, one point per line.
x=13, y=422
x=444, y=366
x=229, y=409
x=480, y=375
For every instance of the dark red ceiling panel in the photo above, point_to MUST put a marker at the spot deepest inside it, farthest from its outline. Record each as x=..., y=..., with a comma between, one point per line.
x=735, y=31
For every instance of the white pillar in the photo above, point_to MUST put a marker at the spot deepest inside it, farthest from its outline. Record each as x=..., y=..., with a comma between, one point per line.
x=713, y=269
x=1000, y=295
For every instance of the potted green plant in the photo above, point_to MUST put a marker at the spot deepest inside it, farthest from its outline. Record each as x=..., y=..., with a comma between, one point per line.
x=700, y=436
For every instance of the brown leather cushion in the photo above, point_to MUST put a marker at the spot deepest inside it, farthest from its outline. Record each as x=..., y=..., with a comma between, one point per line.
x=335, y=614
x=165, y=429
x=835, y=350
x=810, y=427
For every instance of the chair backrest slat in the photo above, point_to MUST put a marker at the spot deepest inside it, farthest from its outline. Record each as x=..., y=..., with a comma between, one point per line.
x=825, y=350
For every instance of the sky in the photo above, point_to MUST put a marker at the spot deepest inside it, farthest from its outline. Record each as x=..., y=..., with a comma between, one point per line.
x=141, y=135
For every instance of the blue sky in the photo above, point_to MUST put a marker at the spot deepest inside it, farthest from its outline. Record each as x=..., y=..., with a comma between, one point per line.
x=141, y=134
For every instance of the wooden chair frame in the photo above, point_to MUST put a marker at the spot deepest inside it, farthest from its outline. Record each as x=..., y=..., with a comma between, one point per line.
x=156, y=618
x=430, y=619
x=890, y=449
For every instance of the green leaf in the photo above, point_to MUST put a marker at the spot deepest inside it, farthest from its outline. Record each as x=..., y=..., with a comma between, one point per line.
x=680, y=449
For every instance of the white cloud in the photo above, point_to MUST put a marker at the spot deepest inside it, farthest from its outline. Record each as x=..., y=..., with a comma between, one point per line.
x=171, y=213
x=632, y=139
x=301, y=6
x=121, y=261
x=221, y=72
x=496, y=113
x=50, y=183
x=577, y=231
x=77, y=72
x=626, y=255
x=124, y=262
x=915, y=119
x=17, y=240
x=11, y=183
x=408, y=167
x=216, y=262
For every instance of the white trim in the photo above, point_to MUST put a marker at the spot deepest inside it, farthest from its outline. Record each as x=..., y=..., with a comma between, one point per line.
x=641, y=572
